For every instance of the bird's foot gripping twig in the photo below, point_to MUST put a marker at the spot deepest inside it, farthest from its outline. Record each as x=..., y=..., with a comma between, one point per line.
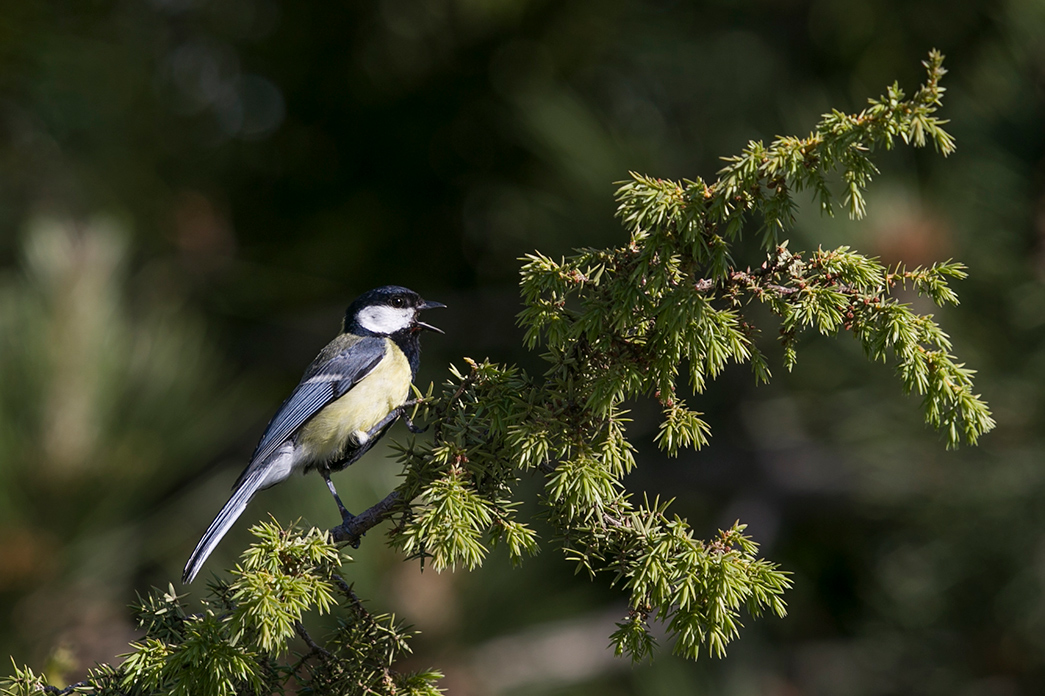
x=397, y=412
x=415, y=429
x=352, y=529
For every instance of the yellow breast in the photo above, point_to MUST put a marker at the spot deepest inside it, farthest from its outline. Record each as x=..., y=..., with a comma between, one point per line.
x=344, y=420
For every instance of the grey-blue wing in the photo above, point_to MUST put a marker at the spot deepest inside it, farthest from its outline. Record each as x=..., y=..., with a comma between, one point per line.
x=323, y=382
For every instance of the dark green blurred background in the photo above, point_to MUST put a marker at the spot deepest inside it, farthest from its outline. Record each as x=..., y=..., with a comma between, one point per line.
x=191, y=191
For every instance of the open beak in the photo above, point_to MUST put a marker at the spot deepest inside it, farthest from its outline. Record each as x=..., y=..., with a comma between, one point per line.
x=430, y=305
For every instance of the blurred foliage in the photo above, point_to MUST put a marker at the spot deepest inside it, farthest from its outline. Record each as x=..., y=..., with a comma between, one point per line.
x=117, y=382
x=431, y=142
x=104, y=397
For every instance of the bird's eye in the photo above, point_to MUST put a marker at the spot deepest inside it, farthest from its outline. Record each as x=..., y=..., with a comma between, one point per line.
x=398, y=302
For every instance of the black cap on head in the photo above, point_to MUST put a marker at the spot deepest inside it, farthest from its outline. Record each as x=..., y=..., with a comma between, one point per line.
x=404, y=304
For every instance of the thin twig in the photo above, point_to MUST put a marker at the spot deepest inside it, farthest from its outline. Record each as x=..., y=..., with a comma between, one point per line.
x=313, y=645
x=351, y=595
x=48, y=689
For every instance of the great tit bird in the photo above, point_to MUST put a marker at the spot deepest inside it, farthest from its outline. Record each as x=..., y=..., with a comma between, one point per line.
x=348, y=397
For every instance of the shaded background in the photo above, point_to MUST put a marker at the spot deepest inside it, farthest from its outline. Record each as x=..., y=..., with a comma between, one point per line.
x=191, y=191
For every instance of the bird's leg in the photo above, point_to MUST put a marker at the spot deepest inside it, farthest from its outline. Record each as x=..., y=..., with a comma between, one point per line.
x=406, y=419
x=397, y=412
x=345, y=514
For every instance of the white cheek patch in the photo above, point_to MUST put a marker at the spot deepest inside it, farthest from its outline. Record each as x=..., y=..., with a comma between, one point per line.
x=386, y=320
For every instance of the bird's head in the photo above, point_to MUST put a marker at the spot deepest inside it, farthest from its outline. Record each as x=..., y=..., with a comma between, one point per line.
x=388, y=310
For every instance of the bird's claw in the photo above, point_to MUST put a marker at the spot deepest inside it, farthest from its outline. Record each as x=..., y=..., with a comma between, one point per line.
x=412, y=427
x=347, y=518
